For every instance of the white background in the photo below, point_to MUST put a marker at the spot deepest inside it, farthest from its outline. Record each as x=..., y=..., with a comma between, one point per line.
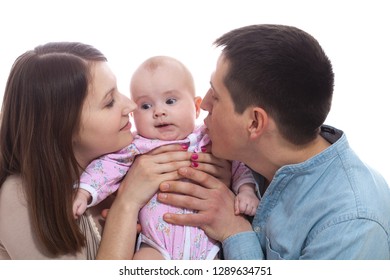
x=354, y=34
x=195, y=270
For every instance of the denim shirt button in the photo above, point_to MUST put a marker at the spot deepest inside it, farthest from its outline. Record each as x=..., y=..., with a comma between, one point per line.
x=257, y=229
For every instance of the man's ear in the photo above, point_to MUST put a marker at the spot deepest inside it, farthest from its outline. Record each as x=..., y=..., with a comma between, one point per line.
x=258, y=122
x=197, y=101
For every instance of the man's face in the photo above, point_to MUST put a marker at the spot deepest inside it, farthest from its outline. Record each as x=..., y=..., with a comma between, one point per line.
x=225, y=127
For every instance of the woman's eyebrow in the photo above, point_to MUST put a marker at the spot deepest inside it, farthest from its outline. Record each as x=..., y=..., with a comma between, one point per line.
x=109, y=92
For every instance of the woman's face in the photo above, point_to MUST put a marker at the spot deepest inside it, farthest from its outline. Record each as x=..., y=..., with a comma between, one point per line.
x=105, y=125
x=222, y=121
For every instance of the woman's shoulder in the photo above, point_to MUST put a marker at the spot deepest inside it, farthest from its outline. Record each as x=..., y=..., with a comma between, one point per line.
x=16, y=229
x=12, y=180
x=12, y=191
x=12, y=199
x=14, y=218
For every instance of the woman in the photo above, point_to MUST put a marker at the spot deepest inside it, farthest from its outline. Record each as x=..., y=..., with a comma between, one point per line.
x=61, y=109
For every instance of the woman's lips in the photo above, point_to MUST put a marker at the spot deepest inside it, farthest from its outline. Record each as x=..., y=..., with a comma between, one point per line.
x=126, y=127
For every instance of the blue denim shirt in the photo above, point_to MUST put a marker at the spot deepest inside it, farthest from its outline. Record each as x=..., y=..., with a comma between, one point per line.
x=331, y=206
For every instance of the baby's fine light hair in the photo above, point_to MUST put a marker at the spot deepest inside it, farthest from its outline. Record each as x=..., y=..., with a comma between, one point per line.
x=153, y=63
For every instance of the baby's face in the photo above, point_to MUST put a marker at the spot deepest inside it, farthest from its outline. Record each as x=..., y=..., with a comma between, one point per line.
x=166, y=104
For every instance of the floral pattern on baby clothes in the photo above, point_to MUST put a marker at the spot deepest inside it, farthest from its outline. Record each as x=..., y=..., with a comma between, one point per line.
x=177, y=241
x=103, y=175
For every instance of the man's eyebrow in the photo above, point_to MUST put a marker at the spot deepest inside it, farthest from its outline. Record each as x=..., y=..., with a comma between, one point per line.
x=212, y=86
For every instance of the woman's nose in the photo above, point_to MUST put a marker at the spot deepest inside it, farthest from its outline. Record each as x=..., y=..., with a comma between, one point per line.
x=129, y=106
x=133, y=105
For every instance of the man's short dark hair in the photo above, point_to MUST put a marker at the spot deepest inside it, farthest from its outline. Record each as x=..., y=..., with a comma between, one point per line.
x=283, y=70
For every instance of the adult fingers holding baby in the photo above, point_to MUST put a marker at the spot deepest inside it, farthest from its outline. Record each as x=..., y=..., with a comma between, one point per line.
x=211, y=199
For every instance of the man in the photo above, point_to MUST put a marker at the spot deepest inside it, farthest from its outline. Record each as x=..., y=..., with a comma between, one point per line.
x=270, y=95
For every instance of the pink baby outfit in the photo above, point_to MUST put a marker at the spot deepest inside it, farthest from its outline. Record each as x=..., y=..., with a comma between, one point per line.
x=102, y=177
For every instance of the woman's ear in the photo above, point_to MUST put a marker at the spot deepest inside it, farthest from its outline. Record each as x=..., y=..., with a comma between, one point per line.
x=258, y=122
x=197, y=101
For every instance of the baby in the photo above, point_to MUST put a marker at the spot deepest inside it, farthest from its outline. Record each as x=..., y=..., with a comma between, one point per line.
x=167, y=108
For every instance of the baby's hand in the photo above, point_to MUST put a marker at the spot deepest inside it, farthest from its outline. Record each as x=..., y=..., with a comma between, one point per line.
x=246, y=201
x=80, y=202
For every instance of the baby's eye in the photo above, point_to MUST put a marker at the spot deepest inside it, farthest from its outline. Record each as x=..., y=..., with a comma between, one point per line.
x=145, y=106
x=171, y=101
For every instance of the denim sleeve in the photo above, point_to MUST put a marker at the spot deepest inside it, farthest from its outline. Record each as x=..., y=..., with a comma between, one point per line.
x=242, y=246
x=362, y=239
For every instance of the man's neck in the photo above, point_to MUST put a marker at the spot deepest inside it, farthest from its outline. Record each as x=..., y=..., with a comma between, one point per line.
x=278, y=153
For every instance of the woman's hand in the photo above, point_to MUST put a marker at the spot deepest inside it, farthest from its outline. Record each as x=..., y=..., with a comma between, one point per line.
x=139, y=185
x=149, y=170
x=207, y=162
x=212, y=200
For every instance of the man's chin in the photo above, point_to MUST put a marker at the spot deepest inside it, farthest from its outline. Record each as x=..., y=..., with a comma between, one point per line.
x=216, y=152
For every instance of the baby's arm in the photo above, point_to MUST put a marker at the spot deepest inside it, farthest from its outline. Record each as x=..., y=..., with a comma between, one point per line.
x=101, y=178
x=80, y=202
x=244, y=186
x=246, y=201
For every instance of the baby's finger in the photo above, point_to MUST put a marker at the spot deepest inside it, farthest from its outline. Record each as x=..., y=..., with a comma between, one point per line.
x=104, y=213
x=236, y=207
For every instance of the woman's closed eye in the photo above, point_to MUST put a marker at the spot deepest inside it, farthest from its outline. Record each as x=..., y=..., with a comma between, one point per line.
x=111, y=103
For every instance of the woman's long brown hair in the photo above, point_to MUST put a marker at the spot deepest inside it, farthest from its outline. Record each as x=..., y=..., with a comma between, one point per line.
x=41, y=112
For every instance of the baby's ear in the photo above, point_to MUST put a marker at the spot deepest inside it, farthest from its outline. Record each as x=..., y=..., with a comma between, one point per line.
x=197, y=101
